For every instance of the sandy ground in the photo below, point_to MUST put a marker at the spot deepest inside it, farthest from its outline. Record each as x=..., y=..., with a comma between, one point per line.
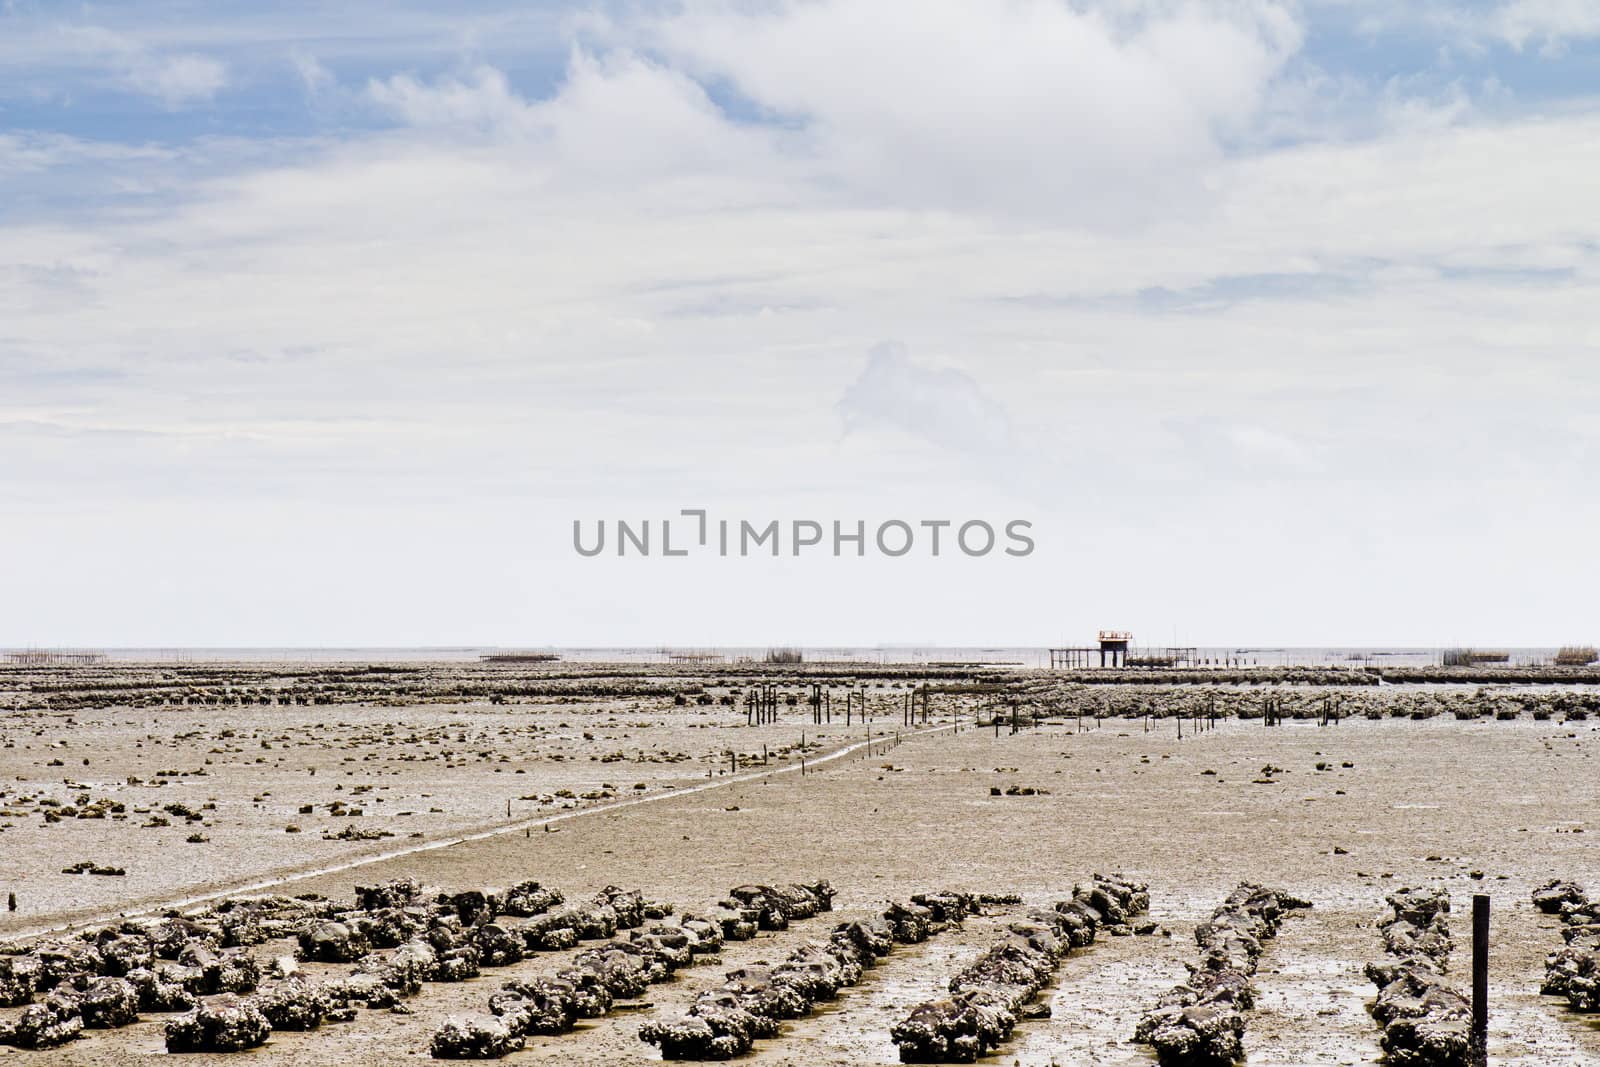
x=411, y=774
x=1428, y=802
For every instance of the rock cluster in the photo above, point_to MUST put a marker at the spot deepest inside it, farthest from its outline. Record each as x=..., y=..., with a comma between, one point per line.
x=619, y=969
x=749, y=908
x=1201, y=1023
x=988, y=997
x=726, y=1022
x=1426, y=1023
x=394, y=937
x=1572, y=971
x=105, y=978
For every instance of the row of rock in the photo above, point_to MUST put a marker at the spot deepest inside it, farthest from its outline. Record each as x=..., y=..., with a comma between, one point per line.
x=107, y=977
x=754, y=1000
x=1426, y=1022
x=619, y=969
x=1572, y=971
x=987, y=998
x=1201, y=1022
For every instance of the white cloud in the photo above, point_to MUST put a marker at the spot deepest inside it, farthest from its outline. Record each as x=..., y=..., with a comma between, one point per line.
x=940, y=405
x=623, y=292
x=177, y=80
x=485, y=99
x=1551, y=23
x=971, y=104
x=1472, y=27
x=315, y=78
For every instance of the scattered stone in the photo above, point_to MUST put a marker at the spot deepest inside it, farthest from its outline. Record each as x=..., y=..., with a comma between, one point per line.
x=1201, y=1023
x=475, y=1037
x=1426, y=1023
x=224, y=1025
x=988, y=998
x=726, y=1022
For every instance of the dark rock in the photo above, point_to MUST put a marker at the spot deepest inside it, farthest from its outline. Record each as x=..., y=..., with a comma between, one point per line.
x=1201, y=1023
x=294, y=1005
x=527, y=899
x=475, y=1037
x=157, y=992
x=49, y=1024
x=19, y=978
x=332, y=942
x=224, y=1025
x=497, y=946
x=108, y=1003
x=400, y=893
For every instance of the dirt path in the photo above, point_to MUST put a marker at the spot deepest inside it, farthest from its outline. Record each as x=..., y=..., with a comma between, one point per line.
x=868, y=745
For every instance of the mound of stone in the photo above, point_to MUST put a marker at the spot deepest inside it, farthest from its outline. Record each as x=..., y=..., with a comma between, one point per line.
x=394, y=937
x=621, y=968
x=108, y=1003
x=1572, y=971
x=49, y=1024
x=987, y=998
x=753, y=1000
x=1426, y=1022
x=294, y=1005
x=1553, y=896
x=1201, y=1023
x=475, y=1037
x=227, y=1024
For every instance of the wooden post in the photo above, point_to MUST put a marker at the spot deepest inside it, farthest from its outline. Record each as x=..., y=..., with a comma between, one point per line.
x=733, y=763
x=1480, y=980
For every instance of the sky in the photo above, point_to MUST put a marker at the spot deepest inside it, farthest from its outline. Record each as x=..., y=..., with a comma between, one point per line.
x=1277, y=320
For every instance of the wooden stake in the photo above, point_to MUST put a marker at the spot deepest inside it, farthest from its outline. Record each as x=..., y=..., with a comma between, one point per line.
x=1480, y=980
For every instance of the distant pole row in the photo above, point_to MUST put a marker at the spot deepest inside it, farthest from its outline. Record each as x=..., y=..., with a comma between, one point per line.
x=761, y=706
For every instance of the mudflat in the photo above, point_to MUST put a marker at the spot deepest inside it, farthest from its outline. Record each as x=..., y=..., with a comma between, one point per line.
x=1339, y=814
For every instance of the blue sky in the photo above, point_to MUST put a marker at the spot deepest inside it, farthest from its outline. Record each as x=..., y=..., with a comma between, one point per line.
x=298, y=297
x=66, y=63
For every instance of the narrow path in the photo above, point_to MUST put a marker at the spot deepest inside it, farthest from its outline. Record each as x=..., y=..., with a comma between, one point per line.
x=1525, y=1028
x=145, y=908
x=1101, y=992
x=1312, y=993
x=857, y=1031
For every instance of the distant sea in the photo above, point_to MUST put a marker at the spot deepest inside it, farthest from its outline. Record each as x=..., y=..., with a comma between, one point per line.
x=1251, y=655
